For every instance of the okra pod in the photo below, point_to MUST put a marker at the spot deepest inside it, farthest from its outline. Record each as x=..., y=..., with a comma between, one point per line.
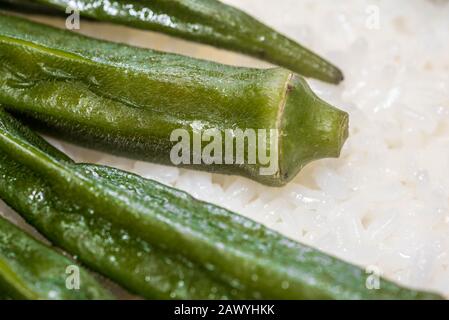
x=113, y=221
x=206, y=21
x=130, y=101
x=70, y=222
x=31, y=270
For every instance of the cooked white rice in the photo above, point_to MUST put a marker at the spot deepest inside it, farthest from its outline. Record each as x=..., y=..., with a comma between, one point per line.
x=385, y=202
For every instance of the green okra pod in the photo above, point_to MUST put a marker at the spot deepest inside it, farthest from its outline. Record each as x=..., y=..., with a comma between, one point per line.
x=130, y=101
x=206, y=21
x=31, y=270
x=24, y=6
x=69, y=221
x=160, y=242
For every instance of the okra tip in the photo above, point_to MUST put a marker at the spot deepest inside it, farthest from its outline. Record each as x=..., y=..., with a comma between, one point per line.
x=328, y=73
x=311, y=65
x=311, y=129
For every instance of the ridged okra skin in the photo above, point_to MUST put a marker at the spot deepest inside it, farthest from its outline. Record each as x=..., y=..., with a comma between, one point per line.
x=160, y=242
x=206, y=21
x=129, y=100
x=30, y=270
x=70, y=222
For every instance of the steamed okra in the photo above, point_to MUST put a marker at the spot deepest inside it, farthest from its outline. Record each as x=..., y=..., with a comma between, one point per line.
x=131, y=101
x=206, y=21
x=160, y=242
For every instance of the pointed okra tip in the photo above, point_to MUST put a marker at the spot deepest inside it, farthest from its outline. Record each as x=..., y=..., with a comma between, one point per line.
x=326, y=72
x=336, y=76
x=311, y=129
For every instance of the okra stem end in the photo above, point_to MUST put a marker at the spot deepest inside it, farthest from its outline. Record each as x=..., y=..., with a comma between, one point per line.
x=311, y=129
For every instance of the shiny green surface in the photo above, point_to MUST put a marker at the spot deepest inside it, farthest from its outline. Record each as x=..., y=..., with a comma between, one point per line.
x=206, y=21
x=128, y=100
x=32, y=270
x=160, y=242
